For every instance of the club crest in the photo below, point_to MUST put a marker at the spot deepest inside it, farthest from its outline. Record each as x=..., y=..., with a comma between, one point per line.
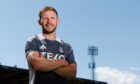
x=61, y=50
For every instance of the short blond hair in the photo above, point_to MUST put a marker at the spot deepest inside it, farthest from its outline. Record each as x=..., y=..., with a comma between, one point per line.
x=47, y=8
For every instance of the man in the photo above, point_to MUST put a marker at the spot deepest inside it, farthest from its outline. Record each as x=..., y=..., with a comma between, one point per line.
x=51, y=61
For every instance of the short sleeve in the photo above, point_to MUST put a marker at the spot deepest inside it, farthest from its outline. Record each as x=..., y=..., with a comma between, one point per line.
x=31, y=45
x=69, y=54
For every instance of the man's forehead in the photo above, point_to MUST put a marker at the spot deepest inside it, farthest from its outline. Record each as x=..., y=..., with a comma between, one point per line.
x=49, y=13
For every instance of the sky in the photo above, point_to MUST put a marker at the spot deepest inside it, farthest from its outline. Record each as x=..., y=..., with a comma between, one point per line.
x=111, y=25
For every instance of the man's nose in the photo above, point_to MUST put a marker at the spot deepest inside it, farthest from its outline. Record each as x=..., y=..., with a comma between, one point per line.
x=48, y=20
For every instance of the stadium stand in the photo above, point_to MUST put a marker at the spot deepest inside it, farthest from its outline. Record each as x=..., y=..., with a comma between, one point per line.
x=14, y=75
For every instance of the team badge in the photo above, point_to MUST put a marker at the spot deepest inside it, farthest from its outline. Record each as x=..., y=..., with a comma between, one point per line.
x=61, y=50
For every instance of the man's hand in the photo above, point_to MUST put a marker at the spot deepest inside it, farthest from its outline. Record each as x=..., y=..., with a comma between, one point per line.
x=68, y=71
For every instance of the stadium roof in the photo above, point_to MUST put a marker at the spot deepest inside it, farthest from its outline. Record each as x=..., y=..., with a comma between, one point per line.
x=14, y=75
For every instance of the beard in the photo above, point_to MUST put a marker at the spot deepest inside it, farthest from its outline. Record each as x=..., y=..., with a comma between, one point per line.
x=47, y=30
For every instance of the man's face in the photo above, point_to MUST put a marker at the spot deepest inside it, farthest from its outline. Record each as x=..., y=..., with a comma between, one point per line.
x=49, y=21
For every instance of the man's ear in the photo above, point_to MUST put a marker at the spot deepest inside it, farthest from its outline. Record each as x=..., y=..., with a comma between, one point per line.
x=39, y=22
x=58, y=21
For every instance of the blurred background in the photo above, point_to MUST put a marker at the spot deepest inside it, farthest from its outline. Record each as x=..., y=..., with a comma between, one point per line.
x=112, y=26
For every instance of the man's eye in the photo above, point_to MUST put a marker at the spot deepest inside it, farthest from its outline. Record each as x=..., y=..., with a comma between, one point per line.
x=44, y=18
x=53, y=18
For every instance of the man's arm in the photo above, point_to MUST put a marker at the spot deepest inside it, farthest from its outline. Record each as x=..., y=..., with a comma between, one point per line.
x=68, y=71
x=39, y=63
